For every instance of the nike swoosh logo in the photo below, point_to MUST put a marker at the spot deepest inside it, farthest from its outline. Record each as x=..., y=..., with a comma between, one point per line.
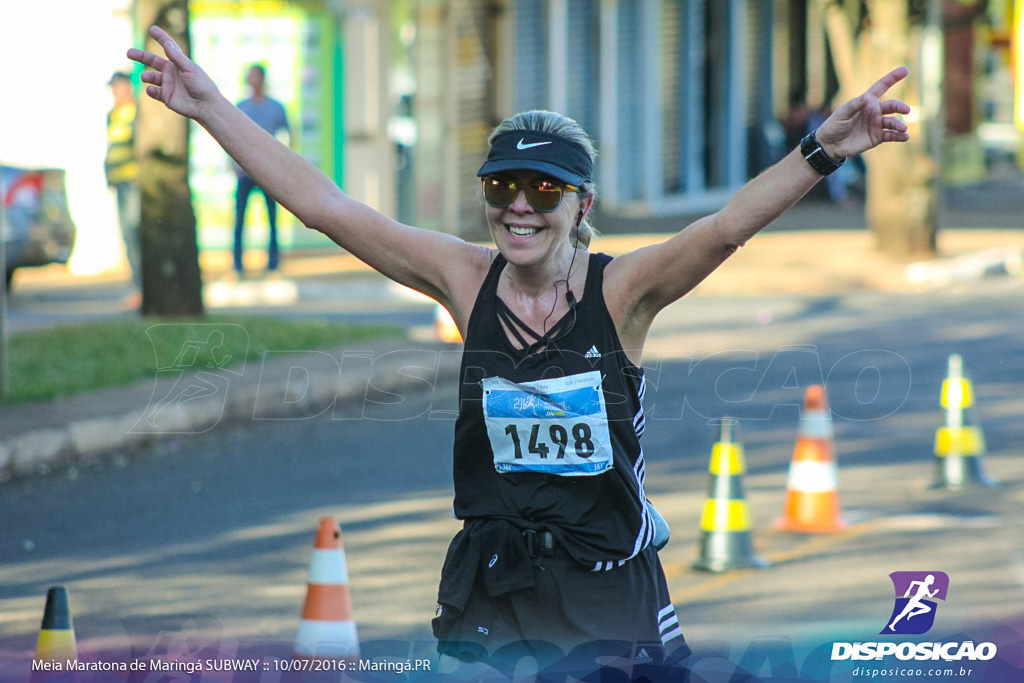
x=522, y=144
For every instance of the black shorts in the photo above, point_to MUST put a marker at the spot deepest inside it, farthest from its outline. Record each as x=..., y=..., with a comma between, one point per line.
x=569, y=612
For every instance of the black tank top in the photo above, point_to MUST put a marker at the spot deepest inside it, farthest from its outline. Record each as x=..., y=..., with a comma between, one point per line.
x=551, y=438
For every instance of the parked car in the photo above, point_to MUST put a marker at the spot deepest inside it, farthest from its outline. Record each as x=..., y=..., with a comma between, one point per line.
x=37, y=227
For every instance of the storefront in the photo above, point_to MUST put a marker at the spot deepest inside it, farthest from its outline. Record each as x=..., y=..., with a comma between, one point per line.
x=677, y=94
x=298, y=43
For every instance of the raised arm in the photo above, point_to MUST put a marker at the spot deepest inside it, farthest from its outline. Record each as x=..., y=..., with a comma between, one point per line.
x=641, y=283
x=431, y=262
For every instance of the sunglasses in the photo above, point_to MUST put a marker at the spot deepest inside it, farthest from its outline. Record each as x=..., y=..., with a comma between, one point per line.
x=543, y=194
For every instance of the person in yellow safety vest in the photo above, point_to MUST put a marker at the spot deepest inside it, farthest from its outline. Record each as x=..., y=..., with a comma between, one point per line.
x=122, y=170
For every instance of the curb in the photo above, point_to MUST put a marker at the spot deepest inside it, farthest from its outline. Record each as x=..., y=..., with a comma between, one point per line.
x=282, y=387
x=37, y=437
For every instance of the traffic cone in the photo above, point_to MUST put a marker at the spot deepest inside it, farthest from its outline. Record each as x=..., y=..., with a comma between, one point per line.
x=56, y=641
x=960, y=443
x=327, y=629
x=725, y=524
x=812, y=501
x=447, y=330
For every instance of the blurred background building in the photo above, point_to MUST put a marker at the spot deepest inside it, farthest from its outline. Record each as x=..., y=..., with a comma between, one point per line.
x=394, y=99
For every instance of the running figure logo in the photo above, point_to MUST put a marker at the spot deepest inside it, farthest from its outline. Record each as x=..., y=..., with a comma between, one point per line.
x=916, y=592
x=193, y=372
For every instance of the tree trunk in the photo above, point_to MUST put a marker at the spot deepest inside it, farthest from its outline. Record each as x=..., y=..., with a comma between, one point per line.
x=171, y=278
x=902, y=179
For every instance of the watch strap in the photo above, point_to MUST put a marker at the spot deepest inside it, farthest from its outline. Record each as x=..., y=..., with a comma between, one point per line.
x=812, y=152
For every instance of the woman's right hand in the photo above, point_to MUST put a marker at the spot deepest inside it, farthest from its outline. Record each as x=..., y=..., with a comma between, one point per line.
x=176, y=81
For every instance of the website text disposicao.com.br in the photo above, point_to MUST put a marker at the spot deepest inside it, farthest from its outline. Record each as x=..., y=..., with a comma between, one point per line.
x=869, y=672
x=952, y=659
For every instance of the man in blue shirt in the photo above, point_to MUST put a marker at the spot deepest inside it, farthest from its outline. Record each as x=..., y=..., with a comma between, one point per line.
x=270, y=115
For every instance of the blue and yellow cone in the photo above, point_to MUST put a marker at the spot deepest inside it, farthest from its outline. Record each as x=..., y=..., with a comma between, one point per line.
x=960, y=443
x=725, y=523
x=56, y=641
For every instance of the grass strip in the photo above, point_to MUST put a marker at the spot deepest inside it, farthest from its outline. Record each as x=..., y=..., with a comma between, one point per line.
x=57, y=362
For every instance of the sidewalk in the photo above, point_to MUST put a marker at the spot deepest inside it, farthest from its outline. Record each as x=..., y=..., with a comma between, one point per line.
x=814, y=250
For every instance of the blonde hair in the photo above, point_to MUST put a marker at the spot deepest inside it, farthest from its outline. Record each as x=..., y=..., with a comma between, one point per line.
x=564, y=127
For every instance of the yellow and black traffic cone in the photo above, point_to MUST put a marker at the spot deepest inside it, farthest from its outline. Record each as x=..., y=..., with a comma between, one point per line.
x=725, y=524
x=56, y=641
x=960, y=443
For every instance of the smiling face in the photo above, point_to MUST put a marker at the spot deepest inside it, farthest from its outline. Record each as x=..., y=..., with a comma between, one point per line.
x=526, y=236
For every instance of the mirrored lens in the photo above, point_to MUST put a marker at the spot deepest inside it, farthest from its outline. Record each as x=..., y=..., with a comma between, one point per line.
x=499, y=192
x=542, y=194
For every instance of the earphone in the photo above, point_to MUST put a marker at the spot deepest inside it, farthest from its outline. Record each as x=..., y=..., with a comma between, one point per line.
x=570, y=298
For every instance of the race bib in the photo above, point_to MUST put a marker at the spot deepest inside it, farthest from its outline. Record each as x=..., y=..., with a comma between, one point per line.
x=555, y=426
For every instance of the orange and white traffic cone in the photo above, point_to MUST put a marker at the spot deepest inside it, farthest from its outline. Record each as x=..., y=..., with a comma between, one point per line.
x=812, y=499
x=960, y=443
x=56, y=641
x=725, y=523
x=327, y=629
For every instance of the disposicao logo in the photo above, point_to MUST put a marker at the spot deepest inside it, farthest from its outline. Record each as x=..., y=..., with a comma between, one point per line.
x=913, y=614
x=916, y=593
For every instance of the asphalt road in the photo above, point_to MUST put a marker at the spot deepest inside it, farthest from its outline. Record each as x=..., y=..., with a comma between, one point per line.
x=209, y=536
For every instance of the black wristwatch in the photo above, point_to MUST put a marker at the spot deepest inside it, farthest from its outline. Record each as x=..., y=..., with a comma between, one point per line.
x=811, y=150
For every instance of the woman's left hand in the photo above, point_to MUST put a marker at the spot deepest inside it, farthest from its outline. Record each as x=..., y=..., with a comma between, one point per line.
x=866, y=121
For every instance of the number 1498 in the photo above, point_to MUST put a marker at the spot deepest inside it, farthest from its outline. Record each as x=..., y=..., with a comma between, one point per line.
x=558, y=436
